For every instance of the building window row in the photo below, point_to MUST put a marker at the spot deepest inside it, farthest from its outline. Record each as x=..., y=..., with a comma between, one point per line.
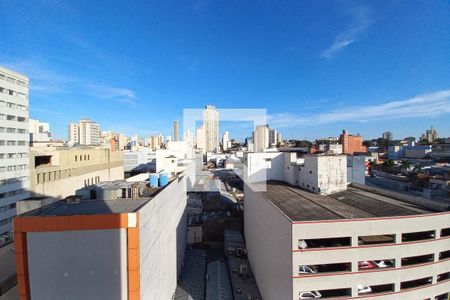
x=13, y=105
x=7, y=207
x=371, y=239
x=13, y=130
x=5, y=221
x=90, y=181
x=82, y=157
x=12, y=118
x=13, y=80
x=12, y=193
x=13, y=180
x=13, y=168
x=13, y=155
x=13, y=93
x=13, y=143
x=53, y=175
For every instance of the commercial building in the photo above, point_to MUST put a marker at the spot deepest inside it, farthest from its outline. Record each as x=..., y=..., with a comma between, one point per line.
x=59, y=171
x=211, y=129
x=359, y=243
x=411, y=151
x=126, y=248
x=441, y=151
x=140, y=161
x=14, y=151
x=85, y=132
x=351, y=143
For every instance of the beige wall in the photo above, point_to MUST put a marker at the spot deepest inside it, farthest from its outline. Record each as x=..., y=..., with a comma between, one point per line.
x=73, y=168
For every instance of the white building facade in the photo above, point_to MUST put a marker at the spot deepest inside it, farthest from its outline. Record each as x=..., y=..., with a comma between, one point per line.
x=211, y=128
x=14, y=150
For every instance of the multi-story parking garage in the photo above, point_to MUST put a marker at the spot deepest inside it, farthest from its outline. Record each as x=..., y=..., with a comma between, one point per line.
x=360, y=243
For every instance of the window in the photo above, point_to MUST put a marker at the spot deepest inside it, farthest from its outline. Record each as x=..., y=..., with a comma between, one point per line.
x=10, y=118
x=416, y=260
x=417, y=236
x=416, y=283
x=376, y=239
x=2, y=129
x=21, y=119
x=325, y=242
x=11, y=143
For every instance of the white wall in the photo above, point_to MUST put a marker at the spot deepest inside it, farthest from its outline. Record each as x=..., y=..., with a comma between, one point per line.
x=356, y=169
x=162, y=225
x=263, y=166
x=268, y=241
x=88, y=264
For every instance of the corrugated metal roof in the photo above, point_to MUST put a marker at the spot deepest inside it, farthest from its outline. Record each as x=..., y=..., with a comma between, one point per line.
x=218, y=286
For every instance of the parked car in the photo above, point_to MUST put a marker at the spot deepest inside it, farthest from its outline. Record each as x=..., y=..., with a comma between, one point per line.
x=302, y=244
x=364, y=289
x=366, y=265
x=384, y=263
x=307, y=270
x=310, y=295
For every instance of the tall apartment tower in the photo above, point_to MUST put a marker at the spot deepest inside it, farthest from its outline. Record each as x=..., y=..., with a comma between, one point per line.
x=431, y=135
x=225, y=140
x=261, y=138
x=14, y=150
x=73, y=133
x=175, y=130
x=387, y=135
x=200, y=138
x=211, y=128
x=273, y=138
x=85, y=132
x=89, y=132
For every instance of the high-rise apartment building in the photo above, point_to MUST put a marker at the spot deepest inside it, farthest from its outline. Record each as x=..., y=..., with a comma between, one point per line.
x=261, y=138
x=39, y=131
x=188, y=137
x=85, y=132
x=387, y=135
x=279, y=137
x=14, y=151
x=225, y=140
x=351, y=143
x=273, y=138
x=431, y=135
x=175, y=130
x=200, y=138
x=211, y=128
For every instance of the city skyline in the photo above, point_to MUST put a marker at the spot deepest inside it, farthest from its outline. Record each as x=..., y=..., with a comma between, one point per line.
x=354, y=65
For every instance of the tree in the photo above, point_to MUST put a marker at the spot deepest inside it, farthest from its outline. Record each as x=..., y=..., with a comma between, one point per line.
x=405, y=165
x=417, y=169
x=389, y=165
x=367, y=143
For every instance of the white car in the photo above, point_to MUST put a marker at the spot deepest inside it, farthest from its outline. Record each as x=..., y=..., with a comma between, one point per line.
x=383, y=263
x=364, y=289
x=307, y=270
x=310, y=295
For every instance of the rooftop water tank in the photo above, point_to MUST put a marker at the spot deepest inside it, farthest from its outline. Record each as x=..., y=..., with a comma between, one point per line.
x=154, y=180
x=163, y=179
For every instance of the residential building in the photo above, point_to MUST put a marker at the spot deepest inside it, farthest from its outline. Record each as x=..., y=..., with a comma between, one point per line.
x=363, y=242
x=351, y=143
x=39, y=131
x=200, y=139
x=139, y=161
x=175, y=130
x=188, y=137
x=279, y=138
x=430, y=135
x=261, y=138
x=387, y=135
x=59, y=171
x=85, y=132
x=211, y=129
x=411, y=151
x=117, y=240
x=73, y=136
x=273, y=138
x=14, y=151
x=225, y=140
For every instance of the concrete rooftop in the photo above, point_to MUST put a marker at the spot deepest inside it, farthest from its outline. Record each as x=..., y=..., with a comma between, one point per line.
x=355, y=202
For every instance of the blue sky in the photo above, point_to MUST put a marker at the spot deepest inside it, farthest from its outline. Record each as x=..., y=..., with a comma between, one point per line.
x=316, y=66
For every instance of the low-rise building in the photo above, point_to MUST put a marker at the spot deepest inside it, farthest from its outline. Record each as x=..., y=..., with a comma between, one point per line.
x=362, y=242
x=115, y=248
x=59, y=171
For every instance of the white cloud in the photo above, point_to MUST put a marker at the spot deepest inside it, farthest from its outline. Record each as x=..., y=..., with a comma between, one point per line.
x=360, y=21
x=120, y=95
x=426, y=105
